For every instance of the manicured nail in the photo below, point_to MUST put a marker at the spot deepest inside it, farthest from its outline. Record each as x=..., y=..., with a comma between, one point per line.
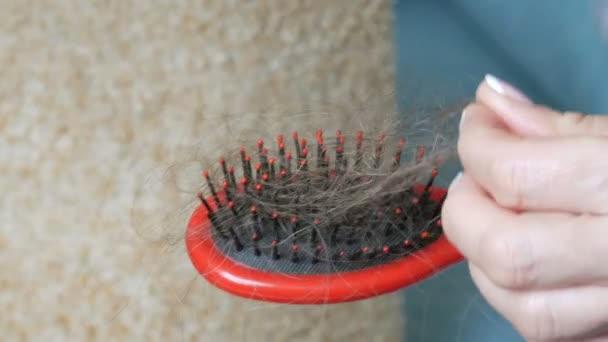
x=505, y=89
x=455, y=181
x=464, y=113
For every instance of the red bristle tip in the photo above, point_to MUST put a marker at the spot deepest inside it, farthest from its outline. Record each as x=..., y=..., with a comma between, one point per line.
x=225, y=184
x=339, y=149
x=424, y=235
x=253, y=209
x=365, y=249
x=359, y=137
x=338, y=133
x=294, y=135
x=434, y=173
x=304, y=152
x=342, y=140
x=386, y=249
x=222, y=160
x=439, y=223
x=255, y=237
x=206, y=174
x=406, y=242
x=260, y=143
x=316, y=221
x=401, y=141
x=230, y=204
x=398, y=211
x=231, y=169
x=320, y=137
x=265, y=177
x=258, y=167
x=303, y=162
x=258, y=187
x=415, y=201
x=242, y=150
x=295, y=248
x=271, y=161
x=283, y=173
x=247, y=158
x=288, y=155
x=421, y=151
x=294, y=219
x=342, y=253
x=274, y=243
x=281, y=146
x=303, y=142
x=280, y=139
x=200, y=195
x=319, y=247
x=244, y=181
x=265, y=151
x=275, y=216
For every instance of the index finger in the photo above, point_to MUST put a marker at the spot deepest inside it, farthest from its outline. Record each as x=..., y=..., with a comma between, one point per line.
x=562, y=173
x=529, y=250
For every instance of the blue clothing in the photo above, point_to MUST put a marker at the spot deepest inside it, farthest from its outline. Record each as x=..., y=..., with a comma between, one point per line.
x=552, y=50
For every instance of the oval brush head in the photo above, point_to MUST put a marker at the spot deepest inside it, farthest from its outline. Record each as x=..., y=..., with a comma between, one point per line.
x=309, y=230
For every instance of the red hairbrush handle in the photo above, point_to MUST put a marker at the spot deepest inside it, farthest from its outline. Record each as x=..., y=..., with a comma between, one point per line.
x=251, y=283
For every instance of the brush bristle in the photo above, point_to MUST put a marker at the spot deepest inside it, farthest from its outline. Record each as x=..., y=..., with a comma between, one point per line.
x=318, y=214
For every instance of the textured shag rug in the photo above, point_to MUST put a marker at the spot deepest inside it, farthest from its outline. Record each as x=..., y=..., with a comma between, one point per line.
x=96, y=95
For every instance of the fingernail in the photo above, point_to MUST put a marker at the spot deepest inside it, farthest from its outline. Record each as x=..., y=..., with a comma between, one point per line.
x=505, y=89
x=455, y=180
x=464, y=113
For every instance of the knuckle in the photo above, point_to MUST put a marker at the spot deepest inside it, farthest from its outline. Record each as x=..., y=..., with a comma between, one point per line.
x=446, y=212
x=469, y=140
x=538, y=320
x=576, y=122
x=570, y=119
x=450, y=213
x=513, y=181
x=509, y=260
x=463, y=145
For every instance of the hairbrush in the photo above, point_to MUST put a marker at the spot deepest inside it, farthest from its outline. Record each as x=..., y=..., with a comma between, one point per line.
x=337, y=225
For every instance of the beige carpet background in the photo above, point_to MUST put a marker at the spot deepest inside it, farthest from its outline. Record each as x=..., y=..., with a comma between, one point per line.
x=97, y=95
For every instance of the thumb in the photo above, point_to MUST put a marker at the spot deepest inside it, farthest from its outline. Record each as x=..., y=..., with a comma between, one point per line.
x=527, y=119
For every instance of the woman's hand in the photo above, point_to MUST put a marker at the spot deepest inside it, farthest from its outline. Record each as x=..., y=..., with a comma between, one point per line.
x=530, y=213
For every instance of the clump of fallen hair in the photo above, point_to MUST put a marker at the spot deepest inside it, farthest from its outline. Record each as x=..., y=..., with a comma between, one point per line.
x=326, y=179
x=341, y=197
x=396, y=152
